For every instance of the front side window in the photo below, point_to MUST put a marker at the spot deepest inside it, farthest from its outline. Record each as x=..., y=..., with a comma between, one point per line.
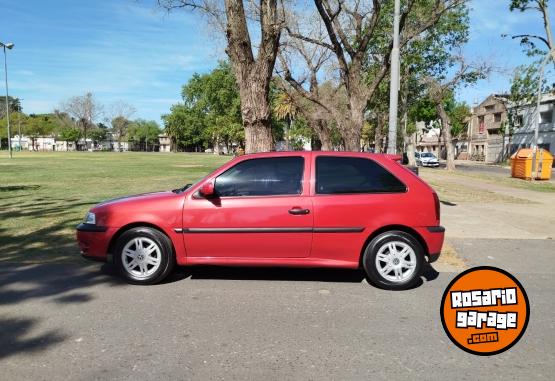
x=343, y=175
x=262, y=177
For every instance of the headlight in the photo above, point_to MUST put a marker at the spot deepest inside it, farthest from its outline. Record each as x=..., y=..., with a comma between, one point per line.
x=90, y=218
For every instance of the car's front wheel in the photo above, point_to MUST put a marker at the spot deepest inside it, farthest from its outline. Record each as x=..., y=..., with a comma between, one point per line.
x=144, y=255
x=393, y=260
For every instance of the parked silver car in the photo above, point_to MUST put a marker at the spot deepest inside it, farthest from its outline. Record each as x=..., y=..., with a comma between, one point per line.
x=426, y=159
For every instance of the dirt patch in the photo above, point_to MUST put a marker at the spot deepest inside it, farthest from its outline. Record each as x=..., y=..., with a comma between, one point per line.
x=188, y=165
x=450, y=191
x=449, y=260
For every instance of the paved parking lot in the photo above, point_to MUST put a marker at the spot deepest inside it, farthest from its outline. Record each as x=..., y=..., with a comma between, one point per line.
x=70, y=322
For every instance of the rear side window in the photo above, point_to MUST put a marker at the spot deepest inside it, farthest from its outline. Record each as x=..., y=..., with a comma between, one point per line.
x=342, y=175
x=262, y=177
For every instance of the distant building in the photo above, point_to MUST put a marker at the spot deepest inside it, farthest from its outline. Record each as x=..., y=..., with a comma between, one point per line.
x=165, y=143
x=51, y=143
x=486, y=129
x=20, y=144
x=526, y=121
x=428, y=138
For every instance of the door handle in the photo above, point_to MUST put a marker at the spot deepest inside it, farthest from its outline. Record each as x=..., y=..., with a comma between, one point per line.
x=298, y=211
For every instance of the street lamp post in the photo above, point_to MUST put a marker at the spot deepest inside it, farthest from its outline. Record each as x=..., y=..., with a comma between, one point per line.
x=9, y=46
x=535, y=165
x=394, y=85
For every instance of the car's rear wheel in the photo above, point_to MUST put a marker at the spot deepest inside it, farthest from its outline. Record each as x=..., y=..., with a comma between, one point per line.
x=144, y=255
x=393, y=260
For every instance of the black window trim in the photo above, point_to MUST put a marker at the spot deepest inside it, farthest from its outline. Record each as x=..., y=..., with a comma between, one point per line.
x=269, y=195
x=355, y=193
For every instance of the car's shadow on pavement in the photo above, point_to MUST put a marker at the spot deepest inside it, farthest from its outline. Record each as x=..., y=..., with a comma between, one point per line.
x=267, y=273
x=282, y=274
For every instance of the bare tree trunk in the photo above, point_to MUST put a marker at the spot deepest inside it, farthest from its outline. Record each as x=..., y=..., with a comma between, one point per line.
x=351, y=137
x=378, y=135
x=323, y=132
x=255, y=110
x=85, y=134
x=254, y=75
x=447, y=138
x=352, y=129
x=410, y=140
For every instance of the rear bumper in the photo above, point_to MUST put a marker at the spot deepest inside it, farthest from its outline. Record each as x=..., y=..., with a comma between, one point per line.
x=433, y=236
x=94, y=241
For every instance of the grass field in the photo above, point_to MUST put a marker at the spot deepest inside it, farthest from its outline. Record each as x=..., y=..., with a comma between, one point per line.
x=43, y=196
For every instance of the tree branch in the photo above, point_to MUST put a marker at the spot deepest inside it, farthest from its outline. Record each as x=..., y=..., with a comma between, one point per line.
x=521, y=36
x=337, y=48
x=308, y=39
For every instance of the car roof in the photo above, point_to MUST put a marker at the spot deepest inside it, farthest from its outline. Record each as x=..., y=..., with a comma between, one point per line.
x=320, y=153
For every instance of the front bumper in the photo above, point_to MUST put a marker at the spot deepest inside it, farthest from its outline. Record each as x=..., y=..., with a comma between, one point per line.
x=94, y=241
x=428, y=164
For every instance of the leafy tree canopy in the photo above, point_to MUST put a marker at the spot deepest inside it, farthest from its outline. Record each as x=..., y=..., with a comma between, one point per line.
x=210, y=112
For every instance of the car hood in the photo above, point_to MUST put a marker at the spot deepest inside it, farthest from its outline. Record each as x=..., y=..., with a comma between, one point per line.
x=154, y=196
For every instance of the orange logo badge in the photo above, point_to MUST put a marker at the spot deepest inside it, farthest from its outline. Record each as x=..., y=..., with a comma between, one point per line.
x=485, y=310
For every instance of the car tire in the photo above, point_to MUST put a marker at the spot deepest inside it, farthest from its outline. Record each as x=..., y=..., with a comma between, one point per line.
x=393, y=260
x=144, y=256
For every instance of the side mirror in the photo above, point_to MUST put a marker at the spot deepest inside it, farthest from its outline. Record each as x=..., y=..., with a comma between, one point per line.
x=207, y=189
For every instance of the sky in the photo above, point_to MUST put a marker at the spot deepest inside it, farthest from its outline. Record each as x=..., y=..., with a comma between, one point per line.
x=130, y=50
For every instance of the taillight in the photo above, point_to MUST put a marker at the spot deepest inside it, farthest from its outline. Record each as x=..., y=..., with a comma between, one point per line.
x=436, y=205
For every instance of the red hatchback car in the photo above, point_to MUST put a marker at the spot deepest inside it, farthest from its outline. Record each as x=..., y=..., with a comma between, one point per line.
x=297, y=209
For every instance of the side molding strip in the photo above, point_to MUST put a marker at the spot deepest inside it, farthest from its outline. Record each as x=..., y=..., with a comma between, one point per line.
x=269, y=230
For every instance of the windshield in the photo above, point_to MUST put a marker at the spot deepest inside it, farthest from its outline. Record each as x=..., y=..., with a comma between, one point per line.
x=427, y=154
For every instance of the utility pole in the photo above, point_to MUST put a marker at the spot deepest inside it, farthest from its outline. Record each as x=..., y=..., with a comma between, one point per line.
x=394, y=85
x=19, y=126
x=535, y=165
x=9, y=46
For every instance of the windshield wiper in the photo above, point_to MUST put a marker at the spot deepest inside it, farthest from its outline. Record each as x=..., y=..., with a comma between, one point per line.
x=181, y=190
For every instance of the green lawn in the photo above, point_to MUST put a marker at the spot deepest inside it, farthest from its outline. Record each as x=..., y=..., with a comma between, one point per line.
x=43, y=196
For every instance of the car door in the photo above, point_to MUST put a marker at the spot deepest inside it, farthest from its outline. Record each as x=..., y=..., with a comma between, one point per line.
x=261, y=209
x=353, y=196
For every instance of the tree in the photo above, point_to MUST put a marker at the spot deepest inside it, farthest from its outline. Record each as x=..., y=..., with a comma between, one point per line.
x=14, y=105
x=144, y=131
x=525, y=81
x=119, y=114
x=97, y=134
x=210, y=113
x=85, y=110
x=358, y=36
x=529, y=41
x=70, y=134
x=309, y=103
x=253, y=73
x=40, y=125
x=440, y=91
x=285, y=109
x=459, y=113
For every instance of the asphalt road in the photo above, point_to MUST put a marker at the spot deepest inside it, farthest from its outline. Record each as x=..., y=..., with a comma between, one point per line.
x=71, y=322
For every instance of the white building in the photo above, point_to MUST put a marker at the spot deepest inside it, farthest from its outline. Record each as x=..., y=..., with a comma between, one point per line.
x=527, y=119
x=20, y=144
